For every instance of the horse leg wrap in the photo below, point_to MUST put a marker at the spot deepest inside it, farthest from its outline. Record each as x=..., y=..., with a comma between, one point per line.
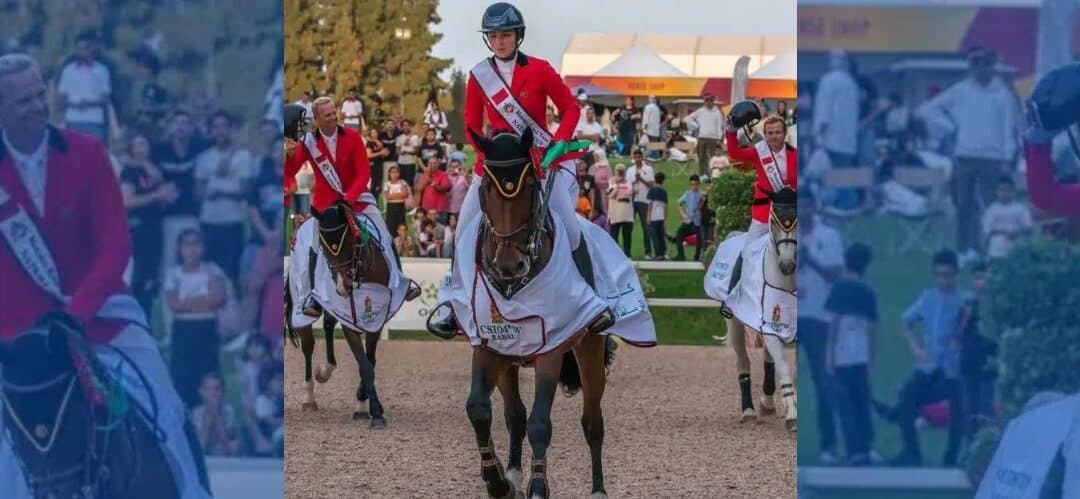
x=768, y=386
x=744, y=391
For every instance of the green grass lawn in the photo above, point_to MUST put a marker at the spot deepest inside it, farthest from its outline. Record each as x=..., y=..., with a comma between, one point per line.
x=897, y=279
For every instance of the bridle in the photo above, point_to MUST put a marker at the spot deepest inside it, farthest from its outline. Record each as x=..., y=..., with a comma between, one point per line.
x=362, y=254
x=787, y=226
x=93, y=467
x=538, y=226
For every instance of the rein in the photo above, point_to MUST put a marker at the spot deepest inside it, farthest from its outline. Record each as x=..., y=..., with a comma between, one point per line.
x=365, y=245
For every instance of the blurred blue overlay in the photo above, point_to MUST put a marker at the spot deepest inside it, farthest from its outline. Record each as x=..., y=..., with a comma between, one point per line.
x=181, y=98
x=938, y=318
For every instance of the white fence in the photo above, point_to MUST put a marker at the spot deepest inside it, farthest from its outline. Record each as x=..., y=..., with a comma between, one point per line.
x=243, y=478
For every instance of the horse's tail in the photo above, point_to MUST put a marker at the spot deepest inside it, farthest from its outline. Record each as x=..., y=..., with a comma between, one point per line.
x=290, y=333
x=570, y=376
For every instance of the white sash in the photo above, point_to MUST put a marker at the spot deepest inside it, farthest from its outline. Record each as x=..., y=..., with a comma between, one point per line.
x=768, y=162
x=324, y=162
x=500, y=97
x=26, y=242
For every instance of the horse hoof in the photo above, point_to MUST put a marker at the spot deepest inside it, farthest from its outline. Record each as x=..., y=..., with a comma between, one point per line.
x=516, y=478
x=378, y=424
x=598, y=495
x=323, y=373
x=309, y=406
x=568, y=392
x=767, y=405
x=358, y=415
x=748, y=415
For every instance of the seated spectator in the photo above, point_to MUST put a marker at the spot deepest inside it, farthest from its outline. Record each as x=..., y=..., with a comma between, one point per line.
x=438, y=232
x=719, y=162
x=425, y=240
x=195, y=292
x=214, y=420
x=270, y=409
x=1005, y=221
x=403, y=242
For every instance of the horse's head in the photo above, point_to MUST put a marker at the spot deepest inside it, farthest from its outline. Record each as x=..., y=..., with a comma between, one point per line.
x=783, y=227
x=511, y=248
x=347, y=246
x=47, y=414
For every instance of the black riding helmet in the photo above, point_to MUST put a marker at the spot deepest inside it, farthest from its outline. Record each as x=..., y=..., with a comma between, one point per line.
x=295, y=121
x=744, y=114
x=1055, y=102
x=502, y=16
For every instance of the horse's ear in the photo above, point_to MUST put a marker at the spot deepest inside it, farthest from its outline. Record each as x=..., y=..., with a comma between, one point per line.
x=527, y=140
x=316, y=214
x=482, y=143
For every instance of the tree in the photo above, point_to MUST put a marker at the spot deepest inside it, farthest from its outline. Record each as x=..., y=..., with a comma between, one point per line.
x=336, y=45
x=456, y=113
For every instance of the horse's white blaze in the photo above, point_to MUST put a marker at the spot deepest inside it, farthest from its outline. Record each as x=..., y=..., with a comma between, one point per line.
x=341, y=289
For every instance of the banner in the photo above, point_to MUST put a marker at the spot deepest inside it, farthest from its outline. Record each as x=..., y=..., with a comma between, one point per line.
x=428, y=274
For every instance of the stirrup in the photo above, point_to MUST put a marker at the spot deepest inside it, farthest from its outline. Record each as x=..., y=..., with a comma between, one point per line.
x=413, y=292
x=447, y=328
x=312, y=307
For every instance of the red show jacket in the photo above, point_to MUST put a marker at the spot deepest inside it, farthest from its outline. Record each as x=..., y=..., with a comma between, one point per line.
x=533, y=82
x=760, y=209
x=351, y=164
x=85, y=227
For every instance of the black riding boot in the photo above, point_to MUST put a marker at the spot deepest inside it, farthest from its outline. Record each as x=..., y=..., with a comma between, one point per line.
x=312, y=308
x=583, y=262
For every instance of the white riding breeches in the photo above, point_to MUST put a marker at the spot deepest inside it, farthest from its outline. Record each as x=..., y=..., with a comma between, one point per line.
x=139, y=346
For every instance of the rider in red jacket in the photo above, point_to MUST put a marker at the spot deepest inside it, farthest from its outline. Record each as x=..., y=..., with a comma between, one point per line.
x=783, y=153
x=531, y=82
x=342, y=172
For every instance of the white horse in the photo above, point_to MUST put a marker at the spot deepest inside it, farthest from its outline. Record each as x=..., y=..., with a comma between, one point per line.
x=780, y=259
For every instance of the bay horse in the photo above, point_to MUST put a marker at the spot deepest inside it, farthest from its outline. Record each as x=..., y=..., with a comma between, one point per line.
x=515, y=244
x=781, y=258
x=74, y=428
x=354, y=256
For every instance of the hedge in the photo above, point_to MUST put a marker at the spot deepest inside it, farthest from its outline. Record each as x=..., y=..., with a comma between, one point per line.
x=730, y=197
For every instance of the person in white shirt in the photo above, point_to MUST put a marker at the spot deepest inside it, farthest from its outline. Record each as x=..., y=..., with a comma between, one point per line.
x=836, y=120
x=84, y=90
x=435, y=118
x=223, y=174
x=640, y=176
x=305, y=102
x=408, y=143
x=1005, y=220
x=352, y=111
x=591, y=130
x=709, y=122
x=981, y=110
x=651, y=120
x=821, y=261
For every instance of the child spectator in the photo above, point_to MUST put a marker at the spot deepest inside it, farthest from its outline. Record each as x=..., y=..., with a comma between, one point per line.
x=937, y=360
x=621, y=208
x=1004, y=221
x=850, y=352
x=214, y=420
x=270, y=409
x=690, y=208
x=397, y=193
x=195, y=292
x=658, y=200
x=403, y=242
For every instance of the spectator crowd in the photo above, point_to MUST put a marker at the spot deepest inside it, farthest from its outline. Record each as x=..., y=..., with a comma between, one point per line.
x=201, y=184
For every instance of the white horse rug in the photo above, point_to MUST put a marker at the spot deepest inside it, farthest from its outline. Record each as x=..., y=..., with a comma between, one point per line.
x=370, y=306
x=753, y=301
x=554, y=306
